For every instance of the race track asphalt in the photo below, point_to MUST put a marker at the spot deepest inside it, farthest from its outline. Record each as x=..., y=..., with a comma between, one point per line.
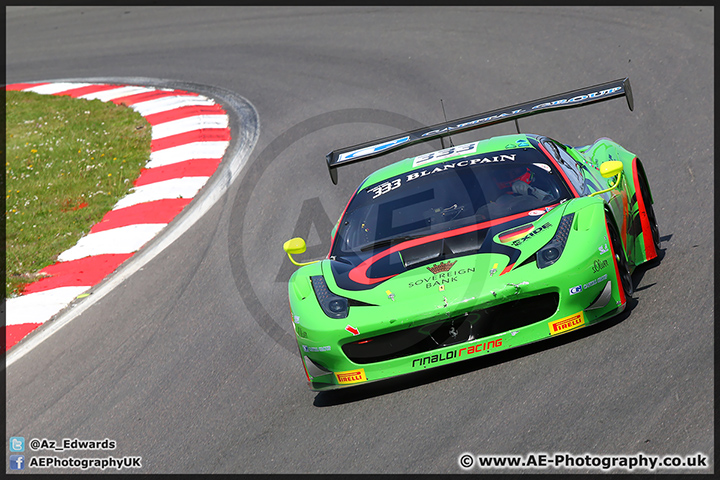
x=190, y=362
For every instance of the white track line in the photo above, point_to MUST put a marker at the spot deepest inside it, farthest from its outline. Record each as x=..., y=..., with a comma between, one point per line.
x=188, y=124
x=120, y=92
x=170, y=103
x=41, y=306
x=127, y=239
x=185, y=187
x=189, y=151
x=55, y=88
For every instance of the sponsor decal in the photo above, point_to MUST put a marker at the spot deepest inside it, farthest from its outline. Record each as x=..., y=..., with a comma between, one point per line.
x=603, y=249
x=491, y=118
x=519, y=144
x=543, y=166
x=476, y=121
x=594, y=282
x=352, y=330
x=316, y=349
x=462, y=163
x=579, y=98
x=470, y=350
x=448, y=152
x=371, y=150
x=430, y=359
x=441, y=288
x=599, y=265
x=480, y=347
x=390, y=295
x=536, y=213
x=442, y=278
x=493, y=270
x=351, y=376
x=515, y=234
x=576, y=289
x=441, y=267
x=531, y=234
x=384, y=188
x=566, y=324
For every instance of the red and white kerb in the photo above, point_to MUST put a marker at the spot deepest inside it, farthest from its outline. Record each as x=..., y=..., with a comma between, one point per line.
x=190, y=134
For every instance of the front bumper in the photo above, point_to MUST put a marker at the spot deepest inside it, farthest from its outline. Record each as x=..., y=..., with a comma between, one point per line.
x=479, y=330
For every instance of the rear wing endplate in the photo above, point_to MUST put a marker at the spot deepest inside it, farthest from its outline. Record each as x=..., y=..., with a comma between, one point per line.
x=575, y=98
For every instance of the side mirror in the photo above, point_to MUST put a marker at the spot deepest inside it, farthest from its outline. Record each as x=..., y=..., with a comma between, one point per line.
x=296, y=246
x=611, y=168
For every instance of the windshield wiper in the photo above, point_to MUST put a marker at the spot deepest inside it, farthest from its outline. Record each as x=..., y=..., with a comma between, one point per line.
x=389, y=241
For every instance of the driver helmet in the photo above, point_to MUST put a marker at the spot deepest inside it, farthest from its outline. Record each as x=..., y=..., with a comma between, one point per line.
x=514, y=173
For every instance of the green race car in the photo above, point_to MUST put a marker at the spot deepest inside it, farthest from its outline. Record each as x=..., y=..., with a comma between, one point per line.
x=472, y=249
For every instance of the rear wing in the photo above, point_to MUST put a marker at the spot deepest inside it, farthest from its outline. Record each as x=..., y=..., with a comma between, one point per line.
x=575, y=98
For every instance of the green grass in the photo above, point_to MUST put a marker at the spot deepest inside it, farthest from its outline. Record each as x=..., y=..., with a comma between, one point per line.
x=68, y=161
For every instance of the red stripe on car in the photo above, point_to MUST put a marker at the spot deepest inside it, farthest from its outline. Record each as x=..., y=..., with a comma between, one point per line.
x=650, y=252
x=359, y=273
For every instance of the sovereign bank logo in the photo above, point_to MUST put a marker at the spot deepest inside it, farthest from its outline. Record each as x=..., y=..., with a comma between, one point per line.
x=17, y=444
x=17, y=462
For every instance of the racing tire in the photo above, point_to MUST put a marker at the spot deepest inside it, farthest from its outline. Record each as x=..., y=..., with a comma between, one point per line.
x=645, y=194
x=622, y=265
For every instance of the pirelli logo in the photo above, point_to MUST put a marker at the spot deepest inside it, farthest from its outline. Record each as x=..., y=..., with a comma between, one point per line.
x=566, y=324
x=351, y=376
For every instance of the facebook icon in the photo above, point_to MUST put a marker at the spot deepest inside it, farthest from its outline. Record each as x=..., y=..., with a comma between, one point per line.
x=17, y=462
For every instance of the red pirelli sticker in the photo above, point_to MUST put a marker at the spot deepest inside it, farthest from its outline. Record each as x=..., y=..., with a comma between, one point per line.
x=351, y=376
x=566, y=324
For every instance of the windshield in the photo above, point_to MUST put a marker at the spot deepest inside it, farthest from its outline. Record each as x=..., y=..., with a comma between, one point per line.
x=446, y=196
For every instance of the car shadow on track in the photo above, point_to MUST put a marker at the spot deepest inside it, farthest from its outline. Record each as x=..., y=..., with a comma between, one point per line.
x=416, y=379
x=639, y=272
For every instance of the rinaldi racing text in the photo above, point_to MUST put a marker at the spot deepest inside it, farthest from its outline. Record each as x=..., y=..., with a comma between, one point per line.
x=471, y=350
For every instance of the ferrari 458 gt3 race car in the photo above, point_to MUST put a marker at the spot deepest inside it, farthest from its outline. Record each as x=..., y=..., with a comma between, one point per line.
x=472, y=249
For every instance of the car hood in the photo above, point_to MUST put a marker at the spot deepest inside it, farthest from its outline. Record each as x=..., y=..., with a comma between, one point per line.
x=455, y=261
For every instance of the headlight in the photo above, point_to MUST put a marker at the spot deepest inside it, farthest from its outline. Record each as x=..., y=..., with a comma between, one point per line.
x=550, y=253
x=333, y=305
x=552, y=250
